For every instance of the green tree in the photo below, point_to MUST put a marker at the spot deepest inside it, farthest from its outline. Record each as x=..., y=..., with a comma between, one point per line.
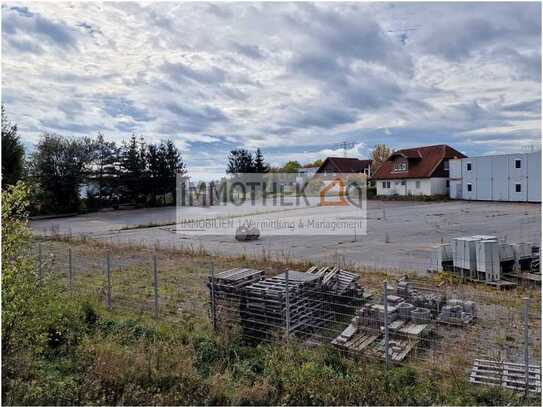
x=240, y=161
x=12, y=153
x=104, y=167
x=134, y=183
x=59, y=165
x=292, y=166
x=316, y=163
x=22, y=298
x=174, y=166
x=163, y=163
x=260, y=165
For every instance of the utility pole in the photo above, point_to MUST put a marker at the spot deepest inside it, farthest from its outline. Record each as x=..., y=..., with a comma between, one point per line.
x=345, y=146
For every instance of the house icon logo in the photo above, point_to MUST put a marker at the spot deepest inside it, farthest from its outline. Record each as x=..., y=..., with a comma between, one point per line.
x=328, y=192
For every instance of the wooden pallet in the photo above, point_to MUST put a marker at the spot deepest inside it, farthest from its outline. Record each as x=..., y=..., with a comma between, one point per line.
x=504, y=374
x=358, y=342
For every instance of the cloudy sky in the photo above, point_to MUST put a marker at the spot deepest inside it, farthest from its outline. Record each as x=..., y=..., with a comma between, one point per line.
x=293, y=79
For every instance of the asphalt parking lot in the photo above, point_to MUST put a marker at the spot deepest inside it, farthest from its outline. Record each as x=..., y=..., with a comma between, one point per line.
x=399, y=233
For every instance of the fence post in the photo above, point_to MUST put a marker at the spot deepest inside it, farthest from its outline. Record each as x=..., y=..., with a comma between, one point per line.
x=287, y=304
x=155, y=284
x=213, y=304
x=40, y=264
x=526, y=347
x=385, y=319
x=70, y=270
x=108, y=269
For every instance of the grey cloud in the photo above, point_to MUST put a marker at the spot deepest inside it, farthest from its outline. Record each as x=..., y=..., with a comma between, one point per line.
x=180, y=72
x=220, y=11
x=196, y=119
x=533, y=106
x=350, y=36
x=319, y=116
x=67, y=126
x=17, y=20
x=458, y=33
x=233, y=93
x=459, y=40
x=120, y=106
x=250, y=51
x=26, y=46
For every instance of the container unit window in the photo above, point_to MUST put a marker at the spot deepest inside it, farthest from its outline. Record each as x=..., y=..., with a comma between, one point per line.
x=518, y=188
x=518, y=164
x=468, y=167
x=469, y=187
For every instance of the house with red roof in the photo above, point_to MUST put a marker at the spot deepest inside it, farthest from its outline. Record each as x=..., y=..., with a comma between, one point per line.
x=416, y=171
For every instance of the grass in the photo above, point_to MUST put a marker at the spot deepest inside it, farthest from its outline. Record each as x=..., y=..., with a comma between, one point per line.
x=239, y=375
x=124, y=358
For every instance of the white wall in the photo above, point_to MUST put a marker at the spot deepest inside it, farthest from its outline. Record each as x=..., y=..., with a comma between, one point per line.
x=424, y=186
x=439, y=186
x=496, y=178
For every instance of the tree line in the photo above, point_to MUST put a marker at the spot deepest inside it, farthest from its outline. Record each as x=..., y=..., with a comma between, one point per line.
x=70, y=174
x=242, y=161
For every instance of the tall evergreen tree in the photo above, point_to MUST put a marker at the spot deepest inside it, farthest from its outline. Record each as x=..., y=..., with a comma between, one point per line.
x=12, y=153
x=260, y=165
x=240, y=161
x=174, y=165
x=104, y=168
x=133, y=166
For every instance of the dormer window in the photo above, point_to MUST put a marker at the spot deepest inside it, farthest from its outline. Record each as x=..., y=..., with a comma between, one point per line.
x=400, y=166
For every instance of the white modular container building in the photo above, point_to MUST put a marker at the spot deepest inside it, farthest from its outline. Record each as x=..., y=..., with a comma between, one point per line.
x=510, y=177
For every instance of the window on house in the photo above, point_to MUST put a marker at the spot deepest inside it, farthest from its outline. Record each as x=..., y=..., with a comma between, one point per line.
x=417, y=184
x=388, y=184
x=403, y=182
x=518, y=163
x=469, y=187
x=447, y=183
x=446, y=165
x=468, y=167
x=518, y=188
x=384, y=184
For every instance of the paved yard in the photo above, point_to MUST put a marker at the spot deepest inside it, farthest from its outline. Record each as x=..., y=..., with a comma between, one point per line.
x=399, y=234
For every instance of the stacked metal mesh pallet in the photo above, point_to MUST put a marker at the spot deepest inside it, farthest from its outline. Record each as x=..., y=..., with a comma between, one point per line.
x=291, y=302
x=263, y=307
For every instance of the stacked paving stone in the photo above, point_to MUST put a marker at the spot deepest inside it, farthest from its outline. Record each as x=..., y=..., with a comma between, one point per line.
x=458, y=312
x=432, y=301
x=404, y=311
x=373, y=315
